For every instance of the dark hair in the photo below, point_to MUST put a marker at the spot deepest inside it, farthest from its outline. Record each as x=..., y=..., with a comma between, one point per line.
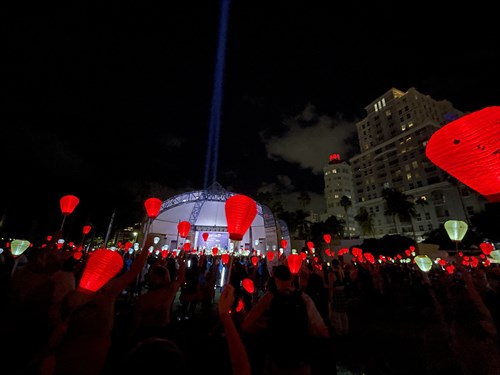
x=282, y=272
x=146, y=354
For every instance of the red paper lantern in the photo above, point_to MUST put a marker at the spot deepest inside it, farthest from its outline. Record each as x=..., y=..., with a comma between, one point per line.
x=327, y=238
x=183, y=228
x=270, y=256
x=205, y=236
x=86, y=229
x=328, y=252
x=294, y=263
x=284, y=243
x=225, y=258
x=310, y=245
x=467, y=149
x=68, y=203
x=152, y=206
x=255, y=260
x=240, y=306
x=248, y=285
x=77, y=255
x=486, y=247
x=240, y=213
x=215, y=250
x=101, y=267
x=303, y=255
x=186, y=246
x=369, y=257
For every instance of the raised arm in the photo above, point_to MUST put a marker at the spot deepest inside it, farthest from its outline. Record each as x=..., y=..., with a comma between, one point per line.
x=240, y=363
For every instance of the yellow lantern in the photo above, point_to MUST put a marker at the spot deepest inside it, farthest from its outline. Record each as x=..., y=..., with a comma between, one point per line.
x=495, y=254
x=423, y=262
x=17, y=247
x=456, y=229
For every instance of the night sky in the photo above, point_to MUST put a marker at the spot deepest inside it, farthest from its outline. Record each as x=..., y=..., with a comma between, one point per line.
x=111, y=101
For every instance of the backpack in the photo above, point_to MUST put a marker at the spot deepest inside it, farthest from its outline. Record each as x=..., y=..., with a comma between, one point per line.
x=288, y=328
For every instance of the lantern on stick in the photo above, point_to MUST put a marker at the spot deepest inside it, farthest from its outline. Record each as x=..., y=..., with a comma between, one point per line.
x=456, y=230
x=240, y=212
x=327, y=237
x=85, y=230
x=294, y=263
x=17, y=248
x=248, y=285
x=103, y=265
x=183, y=228
x=68, y=204
x=423, y=262
x=152, y=206
x=284, y=243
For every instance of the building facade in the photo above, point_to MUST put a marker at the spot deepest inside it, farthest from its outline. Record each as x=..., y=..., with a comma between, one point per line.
x=392, y=139
x=338, y=183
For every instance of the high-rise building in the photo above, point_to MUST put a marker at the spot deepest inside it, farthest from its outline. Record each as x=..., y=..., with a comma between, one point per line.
x=338, y=183
x=392, y=139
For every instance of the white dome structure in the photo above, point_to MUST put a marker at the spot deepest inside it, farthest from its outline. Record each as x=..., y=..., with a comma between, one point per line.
x=205, y=211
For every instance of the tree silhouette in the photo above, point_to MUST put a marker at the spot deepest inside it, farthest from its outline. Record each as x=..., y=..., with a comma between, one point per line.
x=399, y=206
x=365, y=221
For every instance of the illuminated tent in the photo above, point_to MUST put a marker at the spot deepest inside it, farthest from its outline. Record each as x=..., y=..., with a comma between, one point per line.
x=205, y=211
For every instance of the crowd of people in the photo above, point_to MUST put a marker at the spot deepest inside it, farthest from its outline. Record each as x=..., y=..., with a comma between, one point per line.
x=287, y=323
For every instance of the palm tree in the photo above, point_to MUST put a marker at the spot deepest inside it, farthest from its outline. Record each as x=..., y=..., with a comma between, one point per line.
x=304, y=199
x=399, y=206
x=346, y=202
x=365, y=221
x=335, y=226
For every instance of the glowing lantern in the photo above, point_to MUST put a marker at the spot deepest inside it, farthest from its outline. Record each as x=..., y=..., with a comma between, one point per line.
x=225, y=258
x=240, y=306
x=68, y=204
x=205, y=236
x=456, y=229
x=495, y=254
x=186, y=246
x=255, y=260
x=467, y=149
x=18, y=247
x=152, y=206
x=303, y=255
x=486, y=247
x=294, y=263
x=284, y=243
x=248, y=285
x=310, y=245
x=327, y=238
x=369, y=257
x=215, y=250
x=240, y=213
x=77, y=255
x=183, y=228
x=423, y=262
x=270, y=256
x=328, y=252
x=450, y=268
x=356, y=251
x=86, y=229
x=101, y=267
